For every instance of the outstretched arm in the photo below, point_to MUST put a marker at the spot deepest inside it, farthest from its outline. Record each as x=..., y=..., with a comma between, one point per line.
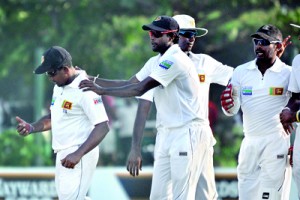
x=135, y=89
x=113, y=83
x=134, y=161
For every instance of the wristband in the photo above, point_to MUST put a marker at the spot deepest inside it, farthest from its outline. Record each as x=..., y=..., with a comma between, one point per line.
x=31, y=128
x=95, y=78
x=286, y=108
x=297, y=116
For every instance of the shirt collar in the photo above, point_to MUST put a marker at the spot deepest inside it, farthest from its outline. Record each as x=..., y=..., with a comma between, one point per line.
x=173, y=49
x=81, y=76
x=276, y=66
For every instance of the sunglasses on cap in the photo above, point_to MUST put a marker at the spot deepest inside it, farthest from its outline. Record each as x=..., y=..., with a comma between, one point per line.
x=188, y=34
x=264, y=42
x=158, y=34
x=54, y=72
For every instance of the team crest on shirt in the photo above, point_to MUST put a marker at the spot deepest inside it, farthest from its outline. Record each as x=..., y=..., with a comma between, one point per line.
x=53, y=100
x=247, y=90
x=67, y=105
x=166, y=64
x=201, y=78
x=276, y=91
x=97, y=100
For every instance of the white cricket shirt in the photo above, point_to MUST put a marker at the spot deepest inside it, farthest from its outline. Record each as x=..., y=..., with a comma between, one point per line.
x=177, y=99
x=262, y=97
x=74, y=114
x=209, y=71
x=294, y=85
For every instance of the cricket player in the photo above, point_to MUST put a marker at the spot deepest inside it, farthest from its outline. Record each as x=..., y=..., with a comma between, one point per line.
x=259, y=87
x=182, y=144
x=78, y=122
x=291, y=114
x=209, y=71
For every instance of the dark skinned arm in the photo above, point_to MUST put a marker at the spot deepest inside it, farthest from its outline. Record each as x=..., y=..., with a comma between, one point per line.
x=24, y=128
x=134, y=89
x=113, y=83
x=134, y=161
x=288, y=114
x=96, y=136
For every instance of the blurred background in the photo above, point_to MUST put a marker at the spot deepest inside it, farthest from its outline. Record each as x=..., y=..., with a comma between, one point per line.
x=106, y=38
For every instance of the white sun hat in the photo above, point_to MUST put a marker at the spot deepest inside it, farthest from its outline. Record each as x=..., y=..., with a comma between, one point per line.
x=187, y=22
x=294, y=25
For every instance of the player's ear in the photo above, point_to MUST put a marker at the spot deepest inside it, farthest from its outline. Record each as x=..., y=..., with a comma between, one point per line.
x=279, y=46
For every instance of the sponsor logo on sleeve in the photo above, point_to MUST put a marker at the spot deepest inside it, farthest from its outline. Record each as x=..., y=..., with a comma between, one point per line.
x=276, y=91
x=247, y=90
x=97, y=100
x=67, y=105
x=166, y=64
x=52, y=101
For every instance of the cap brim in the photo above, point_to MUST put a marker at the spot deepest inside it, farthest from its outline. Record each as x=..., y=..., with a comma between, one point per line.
x=42, y=68
x=150, y=27
x=264, y=36
x=295, y=25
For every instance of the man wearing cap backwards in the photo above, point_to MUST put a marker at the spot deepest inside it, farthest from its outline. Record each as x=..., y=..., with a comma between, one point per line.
x=209, y=71
x=181, y=142
x=78, y=122
x=259, y=87
x=291, y=113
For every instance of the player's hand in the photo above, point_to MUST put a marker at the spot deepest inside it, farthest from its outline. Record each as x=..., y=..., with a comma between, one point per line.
x=290, y=153
x=88, y=85
x=227, y=101
x=285, y=43
x=287, y=116
x=288, y=128
x=134, y=162
x=70, y=160
x=23, y=127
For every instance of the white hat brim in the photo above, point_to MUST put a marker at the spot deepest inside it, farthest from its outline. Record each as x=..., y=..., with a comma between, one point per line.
x=201, y=31
x=295, y=25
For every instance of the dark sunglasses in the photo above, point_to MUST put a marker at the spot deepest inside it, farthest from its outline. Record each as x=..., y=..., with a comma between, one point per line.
x=264, y=42
x=188, y=34
x=158, y=34
x=54, y=72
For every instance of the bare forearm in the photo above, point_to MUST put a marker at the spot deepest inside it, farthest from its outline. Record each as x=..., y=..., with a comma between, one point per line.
x=43, y=124
x=96, y=136
x=293, y=102
x=115, y=83
x=134, y=89
x=124, y=91
x=139, y=124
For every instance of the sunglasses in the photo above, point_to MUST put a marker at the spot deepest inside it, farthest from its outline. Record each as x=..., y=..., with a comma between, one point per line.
x=264, y=42
x=158, y=34
x=188, y=34
x=54, y=72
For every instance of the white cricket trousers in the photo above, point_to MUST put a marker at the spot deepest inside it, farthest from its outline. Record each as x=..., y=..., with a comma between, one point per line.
x=263, y=166
x=73, y=184
x=206, y=186
x=179, y=156
x=296, y=160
